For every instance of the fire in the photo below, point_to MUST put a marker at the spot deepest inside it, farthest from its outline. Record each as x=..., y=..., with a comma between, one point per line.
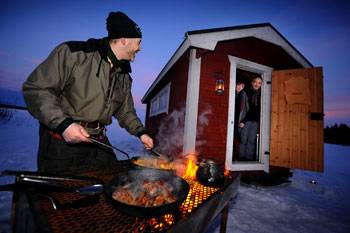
x=226, y=173
x=191, y=168
x=161, y=223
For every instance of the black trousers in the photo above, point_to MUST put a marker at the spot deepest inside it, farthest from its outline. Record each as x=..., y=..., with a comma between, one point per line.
x=56, y=155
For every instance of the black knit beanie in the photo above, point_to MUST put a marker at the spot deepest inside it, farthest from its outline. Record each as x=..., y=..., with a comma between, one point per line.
x=119, y=25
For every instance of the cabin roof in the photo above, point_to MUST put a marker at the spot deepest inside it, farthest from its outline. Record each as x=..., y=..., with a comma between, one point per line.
x=208, y=39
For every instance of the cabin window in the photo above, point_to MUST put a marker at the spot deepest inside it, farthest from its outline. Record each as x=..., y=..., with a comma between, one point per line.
x=160, y=103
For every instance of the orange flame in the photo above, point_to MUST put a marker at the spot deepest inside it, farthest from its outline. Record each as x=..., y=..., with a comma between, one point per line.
x=191, y=168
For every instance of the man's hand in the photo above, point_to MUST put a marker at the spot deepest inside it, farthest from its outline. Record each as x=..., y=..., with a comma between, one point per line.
x=75, y=133
x=147, y=141
x=241, y=125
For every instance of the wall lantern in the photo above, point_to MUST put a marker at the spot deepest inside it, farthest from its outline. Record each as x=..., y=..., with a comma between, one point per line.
x=219, y=83
x=219, y=86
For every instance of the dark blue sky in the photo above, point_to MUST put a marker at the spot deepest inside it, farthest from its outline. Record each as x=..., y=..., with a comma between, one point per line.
x=320, y=30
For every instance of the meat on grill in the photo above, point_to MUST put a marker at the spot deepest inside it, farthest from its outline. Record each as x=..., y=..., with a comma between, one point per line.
x=151, y=193
x=151, y=162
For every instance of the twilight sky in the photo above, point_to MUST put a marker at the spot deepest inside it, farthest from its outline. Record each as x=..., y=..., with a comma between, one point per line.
x=320, y=30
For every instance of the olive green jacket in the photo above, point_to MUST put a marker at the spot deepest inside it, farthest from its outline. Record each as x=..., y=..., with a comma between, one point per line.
x=74, y=83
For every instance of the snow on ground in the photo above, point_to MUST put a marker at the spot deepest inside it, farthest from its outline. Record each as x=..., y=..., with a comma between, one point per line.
x=298, y=206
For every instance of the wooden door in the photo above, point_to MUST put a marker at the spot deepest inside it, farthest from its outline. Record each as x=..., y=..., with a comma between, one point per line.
x=297, y=119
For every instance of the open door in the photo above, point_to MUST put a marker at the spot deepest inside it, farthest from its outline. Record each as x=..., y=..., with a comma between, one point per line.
x=297, y=119
x=246, y=70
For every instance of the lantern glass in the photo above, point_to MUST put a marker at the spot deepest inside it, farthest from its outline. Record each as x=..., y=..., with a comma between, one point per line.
x=219, y=86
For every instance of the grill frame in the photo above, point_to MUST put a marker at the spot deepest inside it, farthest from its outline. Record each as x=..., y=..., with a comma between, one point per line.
x=99, y=216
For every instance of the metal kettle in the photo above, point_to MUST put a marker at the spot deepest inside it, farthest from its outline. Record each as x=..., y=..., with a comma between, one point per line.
x=210, y=173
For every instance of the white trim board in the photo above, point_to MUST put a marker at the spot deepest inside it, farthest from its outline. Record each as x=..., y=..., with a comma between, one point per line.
x=209, y=41
x=265, y=72
x=192, y=97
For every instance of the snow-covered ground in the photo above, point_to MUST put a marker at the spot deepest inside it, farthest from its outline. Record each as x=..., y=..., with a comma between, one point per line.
x=298, y=206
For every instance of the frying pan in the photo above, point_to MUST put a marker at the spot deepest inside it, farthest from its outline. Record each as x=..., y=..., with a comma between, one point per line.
x=181, y=189
x=156, y=155
x=97, y=142
x=47, y=182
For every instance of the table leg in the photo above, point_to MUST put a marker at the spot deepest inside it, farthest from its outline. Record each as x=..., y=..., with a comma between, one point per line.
x=224, y=215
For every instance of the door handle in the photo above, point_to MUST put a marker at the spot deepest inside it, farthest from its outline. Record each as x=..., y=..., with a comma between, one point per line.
x=316, y=116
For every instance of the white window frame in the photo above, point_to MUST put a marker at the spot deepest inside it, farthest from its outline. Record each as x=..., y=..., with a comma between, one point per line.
x=156, y=99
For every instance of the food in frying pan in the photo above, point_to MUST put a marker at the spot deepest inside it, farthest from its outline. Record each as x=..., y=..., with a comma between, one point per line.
x=151, y=193
x=151, y=162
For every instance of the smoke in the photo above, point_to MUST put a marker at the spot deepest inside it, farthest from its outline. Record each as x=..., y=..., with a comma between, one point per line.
x=171, y=132
x=170, y=135
x=203, y=122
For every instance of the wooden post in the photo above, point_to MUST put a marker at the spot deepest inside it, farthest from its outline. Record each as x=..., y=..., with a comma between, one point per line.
x=224, y=215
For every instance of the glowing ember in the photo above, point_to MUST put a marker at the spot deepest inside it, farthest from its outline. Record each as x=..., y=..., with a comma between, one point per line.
x=198, y=194
x=191, y=168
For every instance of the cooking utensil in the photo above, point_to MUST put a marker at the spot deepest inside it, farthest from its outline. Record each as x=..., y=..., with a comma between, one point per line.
x=110, y=147
x=153, y=151
x=27, y=179
x=84, y=190
x=156, y=153
x=47, y=176
x=26, y=183
x=181, y=189
x=210, y=173
x=134, y=159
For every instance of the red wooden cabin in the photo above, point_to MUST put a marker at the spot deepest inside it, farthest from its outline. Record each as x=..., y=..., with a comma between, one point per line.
x=186, y=114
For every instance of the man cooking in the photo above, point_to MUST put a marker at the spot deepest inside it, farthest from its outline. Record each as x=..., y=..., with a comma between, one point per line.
x=75, y=92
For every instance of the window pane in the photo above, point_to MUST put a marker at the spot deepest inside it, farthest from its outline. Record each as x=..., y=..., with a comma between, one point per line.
x=160, y=102
x=163, y=102
x=154, y=106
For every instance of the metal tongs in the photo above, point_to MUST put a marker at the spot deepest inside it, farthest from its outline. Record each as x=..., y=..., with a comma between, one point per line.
x=39, y=179
x=42, y=182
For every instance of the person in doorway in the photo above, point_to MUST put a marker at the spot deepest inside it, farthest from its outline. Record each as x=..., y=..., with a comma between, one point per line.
x=75, y=92
x=241, y=109
x=251, y=123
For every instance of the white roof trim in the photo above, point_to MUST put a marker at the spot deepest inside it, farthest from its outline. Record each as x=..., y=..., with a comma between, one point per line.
x=208, y=40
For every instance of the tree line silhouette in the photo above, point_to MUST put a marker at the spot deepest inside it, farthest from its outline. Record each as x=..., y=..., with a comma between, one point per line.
x=337, y=134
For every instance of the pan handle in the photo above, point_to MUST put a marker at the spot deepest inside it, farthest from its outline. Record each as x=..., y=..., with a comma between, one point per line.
x=110, y=147
x=155, y=153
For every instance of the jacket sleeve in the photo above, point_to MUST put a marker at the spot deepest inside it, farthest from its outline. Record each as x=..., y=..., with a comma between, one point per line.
x=244, y=107
x=43, y=87
x=127, y=117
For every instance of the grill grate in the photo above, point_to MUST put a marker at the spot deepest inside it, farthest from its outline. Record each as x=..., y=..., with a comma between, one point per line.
x=95, y=214
x=198, y=194
x=98, y=216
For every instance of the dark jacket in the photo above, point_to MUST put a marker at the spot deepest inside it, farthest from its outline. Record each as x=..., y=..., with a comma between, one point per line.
x=74, y=83
x=254, y=98
x=241, y=106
